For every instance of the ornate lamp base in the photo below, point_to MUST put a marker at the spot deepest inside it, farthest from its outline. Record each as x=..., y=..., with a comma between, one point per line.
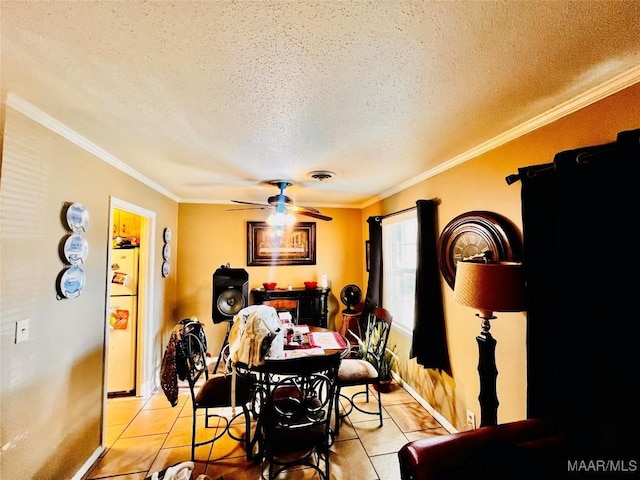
x=488, y=396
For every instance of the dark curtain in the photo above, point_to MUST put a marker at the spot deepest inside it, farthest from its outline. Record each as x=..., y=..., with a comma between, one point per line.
x=429, y=345
x=373, y=297
x=582, y=343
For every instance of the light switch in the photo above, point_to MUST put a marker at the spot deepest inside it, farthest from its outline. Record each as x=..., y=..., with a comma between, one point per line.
x=22, y=330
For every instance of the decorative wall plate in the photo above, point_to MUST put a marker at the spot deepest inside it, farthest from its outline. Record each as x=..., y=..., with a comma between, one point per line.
x=71, y=282
x=166, y=269
x=473, y=234
x=77, y=218
x=76, y=249
x=166, y=251
x=166, y=235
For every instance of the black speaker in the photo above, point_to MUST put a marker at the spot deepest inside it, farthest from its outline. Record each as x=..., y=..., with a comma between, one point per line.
x=230, y=293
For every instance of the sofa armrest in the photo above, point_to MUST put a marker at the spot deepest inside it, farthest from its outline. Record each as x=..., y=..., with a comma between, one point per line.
x=505, y=451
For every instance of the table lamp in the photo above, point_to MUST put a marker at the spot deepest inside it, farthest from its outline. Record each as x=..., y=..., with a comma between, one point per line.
x=489, y=287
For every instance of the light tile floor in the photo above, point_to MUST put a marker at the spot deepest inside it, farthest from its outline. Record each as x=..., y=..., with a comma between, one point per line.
x=145, y=435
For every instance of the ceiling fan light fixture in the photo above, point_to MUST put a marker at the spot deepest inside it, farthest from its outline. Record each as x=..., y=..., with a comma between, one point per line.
x=321, y=175
x=282, y=205
x=281, y=219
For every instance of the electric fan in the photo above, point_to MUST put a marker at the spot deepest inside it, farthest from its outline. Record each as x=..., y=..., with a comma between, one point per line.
x=350, y=296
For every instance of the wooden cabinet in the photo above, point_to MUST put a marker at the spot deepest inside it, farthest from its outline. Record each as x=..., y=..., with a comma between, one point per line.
x=313, y=305
x=125, y=224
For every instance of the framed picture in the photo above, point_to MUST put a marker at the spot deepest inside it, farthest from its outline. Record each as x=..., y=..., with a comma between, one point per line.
x=367, y=249
x=267, y=245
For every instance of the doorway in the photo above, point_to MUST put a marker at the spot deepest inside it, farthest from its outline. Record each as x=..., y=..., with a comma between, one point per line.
x=122, y=278
x=136, y=227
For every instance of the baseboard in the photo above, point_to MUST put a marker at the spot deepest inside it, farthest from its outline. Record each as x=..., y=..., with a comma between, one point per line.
x=88, y=464
x=441, y=420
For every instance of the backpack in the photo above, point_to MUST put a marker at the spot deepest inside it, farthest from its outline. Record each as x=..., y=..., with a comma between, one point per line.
x=254, y=335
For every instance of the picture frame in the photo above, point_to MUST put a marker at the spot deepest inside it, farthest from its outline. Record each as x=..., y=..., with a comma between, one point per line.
x=268, y=245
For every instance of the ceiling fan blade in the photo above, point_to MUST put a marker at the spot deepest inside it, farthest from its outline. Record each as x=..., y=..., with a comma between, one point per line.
x=282, y=203
x=319, y=216
x=251, y=203
x=299, y=209
x=247, y=208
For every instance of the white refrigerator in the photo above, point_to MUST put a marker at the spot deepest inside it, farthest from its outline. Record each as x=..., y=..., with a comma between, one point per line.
x=123, y=321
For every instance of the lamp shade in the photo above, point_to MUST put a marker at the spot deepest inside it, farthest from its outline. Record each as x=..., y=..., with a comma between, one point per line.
x=490, y=287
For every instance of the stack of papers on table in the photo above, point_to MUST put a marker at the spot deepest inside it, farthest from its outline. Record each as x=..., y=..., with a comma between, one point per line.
x=327, y=340
x=302, y=352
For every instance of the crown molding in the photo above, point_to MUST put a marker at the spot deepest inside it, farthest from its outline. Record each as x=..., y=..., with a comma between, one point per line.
x=617, y=83
x=34, y=113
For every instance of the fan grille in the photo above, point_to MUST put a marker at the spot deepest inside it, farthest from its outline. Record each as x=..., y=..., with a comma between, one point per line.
x=350, y=296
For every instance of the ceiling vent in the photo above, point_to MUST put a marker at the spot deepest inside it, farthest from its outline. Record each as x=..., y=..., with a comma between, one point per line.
x=321, y=175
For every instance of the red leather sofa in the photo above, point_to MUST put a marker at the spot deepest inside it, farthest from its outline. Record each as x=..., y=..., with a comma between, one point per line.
x=539, y=449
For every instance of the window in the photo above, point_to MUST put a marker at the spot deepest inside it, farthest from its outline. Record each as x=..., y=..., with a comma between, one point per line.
x=399, y=260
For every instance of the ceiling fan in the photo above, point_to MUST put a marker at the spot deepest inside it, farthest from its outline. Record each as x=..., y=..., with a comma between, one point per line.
x=282, y=204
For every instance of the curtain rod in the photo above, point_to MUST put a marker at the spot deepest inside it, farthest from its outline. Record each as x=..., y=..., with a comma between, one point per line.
x=530, y=172
x=382, y=217
x=582, y=158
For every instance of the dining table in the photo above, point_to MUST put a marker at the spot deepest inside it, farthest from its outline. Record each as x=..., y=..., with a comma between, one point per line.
x=300, y=341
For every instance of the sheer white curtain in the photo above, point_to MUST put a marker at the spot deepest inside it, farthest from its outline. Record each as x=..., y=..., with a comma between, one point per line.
x=399, y=254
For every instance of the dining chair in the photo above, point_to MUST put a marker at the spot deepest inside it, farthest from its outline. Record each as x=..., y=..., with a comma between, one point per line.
x=295, y=420
x=212, y=393
x=360, y=368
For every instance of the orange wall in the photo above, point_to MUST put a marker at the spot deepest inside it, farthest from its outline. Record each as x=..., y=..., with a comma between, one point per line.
x=211, y=236
x=479, y=184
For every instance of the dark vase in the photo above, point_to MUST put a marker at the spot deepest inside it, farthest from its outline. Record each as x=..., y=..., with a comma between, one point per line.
x=384, y=387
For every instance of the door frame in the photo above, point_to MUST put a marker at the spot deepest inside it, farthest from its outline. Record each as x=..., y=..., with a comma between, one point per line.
x=145, y=375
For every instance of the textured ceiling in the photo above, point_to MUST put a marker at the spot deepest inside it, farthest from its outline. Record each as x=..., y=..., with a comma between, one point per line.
x=209, y=99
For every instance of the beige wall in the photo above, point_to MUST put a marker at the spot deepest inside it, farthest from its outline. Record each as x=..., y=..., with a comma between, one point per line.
x=211, y=236
x=52, y=385
x=480, y=184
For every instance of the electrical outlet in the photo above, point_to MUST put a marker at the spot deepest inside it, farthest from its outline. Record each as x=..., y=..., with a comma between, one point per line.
x=471, y=420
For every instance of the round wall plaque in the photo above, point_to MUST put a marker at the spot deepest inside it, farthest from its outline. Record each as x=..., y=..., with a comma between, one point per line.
x=477, y=234
x=71, y=282
x=77, y=218
x=166, y=235
x=166, y=269
x=76, y=249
